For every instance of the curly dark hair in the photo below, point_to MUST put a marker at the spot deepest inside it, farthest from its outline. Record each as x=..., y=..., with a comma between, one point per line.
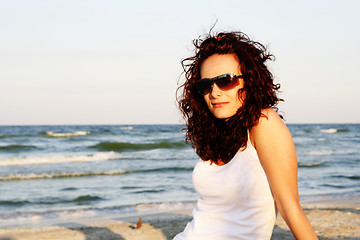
x=216, y=139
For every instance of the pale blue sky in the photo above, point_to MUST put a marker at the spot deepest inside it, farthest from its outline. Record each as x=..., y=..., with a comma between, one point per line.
x=118, y=62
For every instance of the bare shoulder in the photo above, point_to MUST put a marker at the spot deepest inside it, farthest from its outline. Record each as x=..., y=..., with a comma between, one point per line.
x=275, y=147
x=270, y=128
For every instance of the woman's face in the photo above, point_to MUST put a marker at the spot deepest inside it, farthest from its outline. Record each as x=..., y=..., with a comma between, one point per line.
x=222, y=104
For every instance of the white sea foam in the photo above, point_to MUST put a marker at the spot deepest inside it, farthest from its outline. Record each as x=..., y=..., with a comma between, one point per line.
x=164, y=207
x=21, y=219
x=319, y=152
x=72, y=134
x=102, y=156
x=329, y=130
x=311, y=164
x=127, y=128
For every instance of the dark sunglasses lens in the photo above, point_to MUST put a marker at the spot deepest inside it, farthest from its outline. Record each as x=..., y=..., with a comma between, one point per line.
x=204, y=87
x=227, y=82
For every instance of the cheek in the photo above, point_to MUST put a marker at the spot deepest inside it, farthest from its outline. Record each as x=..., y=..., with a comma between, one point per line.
x=237, y=100
x=235, y=96
x=207, y=99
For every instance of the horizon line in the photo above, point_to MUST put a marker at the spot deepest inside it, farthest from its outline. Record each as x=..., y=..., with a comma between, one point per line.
x=109, y=124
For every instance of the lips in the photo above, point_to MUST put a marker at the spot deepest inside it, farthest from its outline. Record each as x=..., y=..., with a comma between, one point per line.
x=219, y=104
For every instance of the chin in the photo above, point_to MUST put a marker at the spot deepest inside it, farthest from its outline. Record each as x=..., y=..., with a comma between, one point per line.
x=223, y=115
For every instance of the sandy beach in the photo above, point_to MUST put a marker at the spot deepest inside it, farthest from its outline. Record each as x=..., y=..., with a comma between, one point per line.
x=338, y=219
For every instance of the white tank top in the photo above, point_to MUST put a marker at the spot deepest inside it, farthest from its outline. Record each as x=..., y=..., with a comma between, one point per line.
x=235, y=200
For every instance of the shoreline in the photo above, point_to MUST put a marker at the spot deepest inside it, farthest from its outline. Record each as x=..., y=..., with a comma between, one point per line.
x=331, y=219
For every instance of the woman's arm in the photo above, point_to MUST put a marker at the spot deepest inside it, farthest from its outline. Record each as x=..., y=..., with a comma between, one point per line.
x=275, y=147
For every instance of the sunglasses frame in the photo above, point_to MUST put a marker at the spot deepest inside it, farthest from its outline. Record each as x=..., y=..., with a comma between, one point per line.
x=217, y=81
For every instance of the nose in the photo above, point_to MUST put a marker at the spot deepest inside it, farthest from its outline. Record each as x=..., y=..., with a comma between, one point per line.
x=215, y=90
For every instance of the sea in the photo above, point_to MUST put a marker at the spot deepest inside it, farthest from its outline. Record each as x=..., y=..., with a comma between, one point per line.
x=60, y=172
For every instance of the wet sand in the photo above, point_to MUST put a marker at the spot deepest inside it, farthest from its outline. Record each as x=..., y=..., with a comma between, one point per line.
x=333, y=219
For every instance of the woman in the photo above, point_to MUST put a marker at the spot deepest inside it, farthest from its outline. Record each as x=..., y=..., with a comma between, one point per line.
x=248, y=166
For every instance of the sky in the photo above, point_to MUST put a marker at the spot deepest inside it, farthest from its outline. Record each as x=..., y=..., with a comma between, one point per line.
x=118, y=62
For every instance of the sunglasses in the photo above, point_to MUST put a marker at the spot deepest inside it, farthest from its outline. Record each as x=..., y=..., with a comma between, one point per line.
x=224, y=82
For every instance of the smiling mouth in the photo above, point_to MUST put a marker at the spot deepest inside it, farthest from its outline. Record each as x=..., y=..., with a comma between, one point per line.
x=219, y=105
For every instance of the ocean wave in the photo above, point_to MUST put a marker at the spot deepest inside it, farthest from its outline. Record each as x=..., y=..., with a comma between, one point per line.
x=166, y=206
x=335, y=130
x=329, y=130
x=33, y=176
x=85, y=198
x=159, y=170
x=127, y=128
x=16, y=148
x=125, y=146
x=102, y=156
x=16, y=135
x=48, y=134
x=334, y=186
x=51, y=201
x=148, y=191
x=69, y=189
x=319, y=152
x=310, y=164
x=353, y=177
x=343, y=130
x=7, y=219
x=66, y=135
x=13, y=203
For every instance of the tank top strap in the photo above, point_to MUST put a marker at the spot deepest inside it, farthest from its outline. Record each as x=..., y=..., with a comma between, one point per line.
x=250, y=146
